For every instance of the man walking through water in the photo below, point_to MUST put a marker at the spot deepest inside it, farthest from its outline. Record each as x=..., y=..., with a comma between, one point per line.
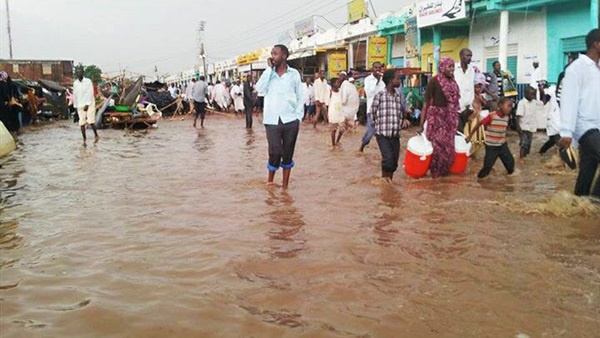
x=321, y=98
x=373, y=85
x=199, y=94
x=283, y=111
x=83, y=101
x=580, y=113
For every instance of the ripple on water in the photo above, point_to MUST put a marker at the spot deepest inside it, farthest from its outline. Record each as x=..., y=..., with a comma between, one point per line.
x=174, y=230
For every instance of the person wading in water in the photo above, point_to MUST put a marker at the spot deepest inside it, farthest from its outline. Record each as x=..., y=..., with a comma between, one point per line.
x=284, y=108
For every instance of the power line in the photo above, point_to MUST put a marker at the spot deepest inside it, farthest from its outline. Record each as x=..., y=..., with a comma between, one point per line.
x=230, y=48
x=264, y=25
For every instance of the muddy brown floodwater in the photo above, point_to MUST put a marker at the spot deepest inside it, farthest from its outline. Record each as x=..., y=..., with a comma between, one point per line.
x=172, y=232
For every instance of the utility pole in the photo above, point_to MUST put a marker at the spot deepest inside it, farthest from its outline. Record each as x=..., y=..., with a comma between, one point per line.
x=10, y=52
x=202, y=52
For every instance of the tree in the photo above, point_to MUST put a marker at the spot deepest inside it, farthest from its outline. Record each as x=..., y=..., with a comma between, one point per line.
x=92, y=72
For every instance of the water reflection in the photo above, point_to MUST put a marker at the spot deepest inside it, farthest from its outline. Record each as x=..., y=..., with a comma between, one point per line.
x=286, y=237
x=203, y=142
x=383, y=229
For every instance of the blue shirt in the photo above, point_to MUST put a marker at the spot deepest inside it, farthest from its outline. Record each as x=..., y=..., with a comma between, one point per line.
x=580, y=98
x=199, y=91
x=284, y=96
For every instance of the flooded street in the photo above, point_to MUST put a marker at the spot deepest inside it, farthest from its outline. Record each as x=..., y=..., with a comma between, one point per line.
x=172, y=232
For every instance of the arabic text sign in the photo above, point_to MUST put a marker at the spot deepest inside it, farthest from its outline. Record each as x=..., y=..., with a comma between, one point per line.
x=377, y=49
x=305, y=27
x=337, y=63
x=432, y=12
x=357, y=9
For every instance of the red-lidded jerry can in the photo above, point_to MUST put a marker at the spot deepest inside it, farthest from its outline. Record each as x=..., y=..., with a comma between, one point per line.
x=462, y=148
x=418, y=156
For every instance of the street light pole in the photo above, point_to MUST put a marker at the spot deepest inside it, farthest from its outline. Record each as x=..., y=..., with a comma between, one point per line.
x=10, y=51
x=202, y=51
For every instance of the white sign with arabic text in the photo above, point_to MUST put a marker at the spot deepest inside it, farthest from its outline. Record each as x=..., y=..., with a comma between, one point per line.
x=432, y=12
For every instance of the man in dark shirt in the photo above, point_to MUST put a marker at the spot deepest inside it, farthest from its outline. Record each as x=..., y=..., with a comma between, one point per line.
x=248, y=100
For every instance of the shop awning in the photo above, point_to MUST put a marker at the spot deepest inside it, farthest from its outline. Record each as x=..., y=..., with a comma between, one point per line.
x=302, y=54
x=244, y=68
x=259, y=65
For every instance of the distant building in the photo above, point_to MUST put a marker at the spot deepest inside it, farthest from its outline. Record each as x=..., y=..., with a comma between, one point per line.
x=60, y=71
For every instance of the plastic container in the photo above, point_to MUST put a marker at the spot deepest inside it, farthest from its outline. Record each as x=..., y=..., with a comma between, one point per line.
x=462, y=148
x=7, y=143
x=121, y=108
x=418, y=156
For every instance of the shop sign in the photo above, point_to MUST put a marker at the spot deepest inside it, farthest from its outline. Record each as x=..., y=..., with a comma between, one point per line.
x=305, y=27
x=337, y=62
x=411, y=39
x=433, y=12
x=377, y=49
x=357, y=9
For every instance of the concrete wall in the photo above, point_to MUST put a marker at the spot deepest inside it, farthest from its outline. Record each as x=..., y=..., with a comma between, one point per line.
x=527, y=31
x=566, y=21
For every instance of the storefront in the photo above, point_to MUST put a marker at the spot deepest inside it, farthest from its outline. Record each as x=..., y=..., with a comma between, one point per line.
x=442, y=35
x=566, y=26
x=393, y=28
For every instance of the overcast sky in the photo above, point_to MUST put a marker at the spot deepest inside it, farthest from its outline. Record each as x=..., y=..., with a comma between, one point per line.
x=136, y=35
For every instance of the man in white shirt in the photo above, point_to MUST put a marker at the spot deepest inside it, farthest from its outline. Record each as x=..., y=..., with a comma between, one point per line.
x=188, y=94
x=308, y=97
x=83, y=101
x=373, y=85
x=349, y=96
x=321, y=97
x=464, y=74
x=580, y=113
x=237, y=94
x=173, y=90
x=536, y=75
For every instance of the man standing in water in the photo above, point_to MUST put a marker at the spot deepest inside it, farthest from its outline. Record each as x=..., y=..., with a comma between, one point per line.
x=199, y=94
x=373, y=85
x=83, y=101
x=464, y=75
x=283, y=111
x=321, y=98
x=248, y=100
x=580, y=113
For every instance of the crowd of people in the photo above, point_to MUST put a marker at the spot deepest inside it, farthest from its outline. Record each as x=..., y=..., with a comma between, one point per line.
x=458, y=99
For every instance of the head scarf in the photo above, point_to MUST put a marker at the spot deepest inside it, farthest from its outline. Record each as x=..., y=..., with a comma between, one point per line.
x=444, y=64
x=480, y=79
x=3, y=76
x=449, y=86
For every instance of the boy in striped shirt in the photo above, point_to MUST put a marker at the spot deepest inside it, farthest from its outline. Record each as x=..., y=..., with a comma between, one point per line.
x=495, y=138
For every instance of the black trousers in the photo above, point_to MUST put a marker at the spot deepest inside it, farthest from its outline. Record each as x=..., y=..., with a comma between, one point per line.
x=526, y=138
x=248, y=106
x=390, y=152
x=200, y=109
x=282, y=142
x=589, y=158
x=552, y=141
x=492, y=153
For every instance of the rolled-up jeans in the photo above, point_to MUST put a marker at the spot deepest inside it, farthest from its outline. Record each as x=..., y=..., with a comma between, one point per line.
x=370, y=131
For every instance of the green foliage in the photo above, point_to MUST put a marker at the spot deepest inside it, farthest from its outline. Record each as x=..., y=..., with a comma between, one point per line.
x=92, y=72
